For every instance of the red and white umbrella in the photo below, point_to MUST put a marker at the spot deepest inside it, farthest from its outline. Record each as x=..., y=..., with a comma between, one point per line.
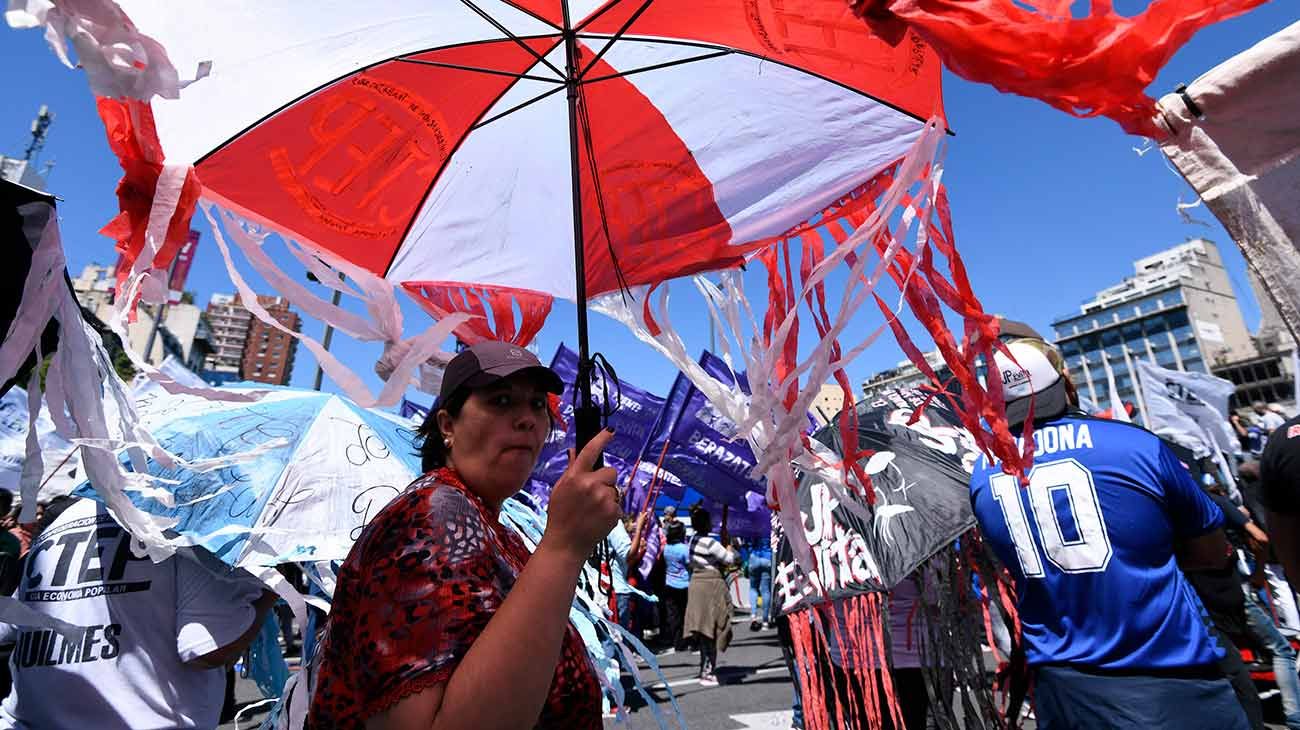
x=521, y=149
x=443, y=141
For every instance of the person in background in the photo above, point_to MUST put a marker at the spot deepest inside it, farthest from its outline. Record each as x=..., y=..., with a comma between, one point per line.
x=1269, y=416
x=670, y=516
x=624, y=556
x=760, y=585
x=9, y=543
x=677, y=579
x=441, y=617
x=24, y=531
x=156, y=637
x=1249, y=435
x=708, y=603
x=1094, y=541
x=10, y=548
x=1279, y=480
x=1219, y=588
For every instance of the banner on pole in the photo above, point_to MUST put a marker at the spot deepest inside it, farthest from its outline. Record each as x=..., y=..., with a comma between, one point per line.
x=1188, y=408
x=920, y=471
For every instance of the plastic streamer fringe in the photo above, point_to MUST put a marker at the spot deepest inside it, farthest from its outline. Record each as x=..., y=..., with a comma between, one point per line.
x=403, y=357
x=980, y=405
x=118, y=59
x=611, y=649
x=1099, y=65
x=870, y=229
x=79, y=374
x=950, y=625
x=156, y=199
x=843, y=665
x=442, y=298
x=843, y=649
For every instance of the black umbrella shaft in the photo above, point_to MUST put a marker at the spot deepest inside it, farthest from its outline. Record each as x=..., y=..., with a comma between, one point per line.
x=586, y=415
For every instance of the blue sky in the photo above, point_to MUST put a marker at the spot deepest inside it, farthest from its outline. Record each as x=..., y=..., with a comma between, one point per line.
x=1047, y=209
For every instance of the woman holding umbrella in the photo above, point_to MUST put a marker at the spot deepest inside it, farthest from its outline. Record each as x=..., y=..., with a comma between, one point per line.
x=441, y=617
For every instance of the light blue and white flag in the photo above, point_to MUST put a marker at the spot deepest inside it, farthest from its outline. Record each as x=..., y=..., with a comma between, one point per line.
x=303, y=472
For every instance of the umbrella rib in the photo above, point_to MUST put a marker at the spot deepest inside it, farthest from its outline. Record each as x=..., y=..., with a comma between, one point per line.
x=595, y=16
x=438, y=175
x=477, y=69
x=585, y=119
x=765, y=59
x=541, y=59
x=645, y=5
x=535, y=16
x=217, y=148
x=516, y=108
x=658, y=66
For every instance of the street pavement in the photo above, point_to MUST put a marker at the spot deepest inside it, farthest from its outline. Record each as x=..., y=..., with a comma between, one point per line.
x=754, y=688
x=754, y=691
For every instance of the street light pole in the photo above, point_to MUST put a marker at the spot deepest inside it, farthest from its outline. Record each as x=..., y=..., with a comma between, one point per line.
x=329, y=331
x=325, y=341
x=159, y=312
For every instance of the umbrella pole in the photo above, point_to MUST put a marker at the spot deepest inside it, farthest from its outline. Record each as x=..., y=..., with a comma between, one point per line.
x=586, y=415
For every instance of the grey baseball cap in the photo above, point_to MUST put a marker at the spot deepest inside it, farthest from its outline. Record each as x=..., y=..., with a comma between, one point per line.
x=490, y=361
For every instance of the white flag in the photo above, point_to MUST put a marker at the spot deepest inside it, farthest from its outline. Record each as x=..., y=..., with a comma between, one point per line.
x=1190, y=409
x=1117, y=410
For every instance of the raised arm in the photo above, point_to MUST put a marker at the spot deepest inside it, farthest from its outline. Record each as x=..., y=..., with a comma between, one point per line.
x=503, y=680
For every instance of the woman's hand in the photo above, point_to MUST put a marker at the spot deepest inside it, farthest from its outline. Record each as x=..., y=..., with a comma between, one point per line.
x=584, y=504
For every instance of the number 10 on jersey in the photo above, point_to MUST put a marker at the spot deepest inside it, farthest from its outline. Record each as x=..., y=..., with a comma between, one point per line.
x=1052, y=485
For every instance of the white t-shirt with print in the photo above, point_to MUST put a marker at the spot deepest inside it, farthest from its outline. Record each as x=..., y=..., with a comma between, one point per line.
x=145, y=621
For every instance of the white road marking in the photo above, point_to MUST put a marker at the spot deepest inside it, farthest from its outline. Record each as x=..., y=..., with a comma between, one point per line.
x=695, y=680
x=765, y=720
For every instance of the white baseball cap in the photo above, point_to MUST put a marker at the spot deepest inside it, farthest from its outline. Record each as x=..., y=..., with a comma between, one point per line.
x=1034, y=369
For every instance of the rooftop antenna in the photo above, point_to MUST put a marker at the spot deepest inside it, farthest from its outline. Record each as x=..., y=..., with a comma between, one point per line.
x=40, y=127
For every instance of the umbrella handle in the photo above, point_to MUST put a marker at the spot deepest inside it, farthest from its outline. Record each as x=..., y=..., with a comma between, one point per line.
x=586, y=425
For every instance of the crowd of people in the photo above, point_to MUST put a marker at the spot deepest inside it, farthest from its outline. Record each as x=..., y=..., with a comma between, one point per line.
x=1141, y=572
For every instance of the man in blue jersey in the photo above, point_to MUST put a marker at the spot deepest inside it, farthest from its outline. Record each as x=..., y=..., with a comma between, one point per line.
x=1114, y=634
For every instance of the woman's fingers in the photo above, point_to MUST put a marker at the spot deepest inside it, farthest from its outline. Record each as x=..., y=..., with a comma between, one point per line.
x=591, y=452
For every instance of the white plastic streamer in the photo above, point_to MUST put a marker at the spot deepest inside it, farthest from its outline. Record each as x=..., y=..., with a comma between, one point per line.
x=377, y=293
x=276, y=582
x=773, y=430
x=118, y=59
x=16, y=613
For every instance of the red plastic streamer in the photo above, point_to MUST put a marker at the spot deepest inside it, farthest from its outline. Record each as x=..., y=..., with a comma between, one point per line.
x=442, y=298
x=1098, y=65
x=134, y=139
x=856, y=624
x=981, y=407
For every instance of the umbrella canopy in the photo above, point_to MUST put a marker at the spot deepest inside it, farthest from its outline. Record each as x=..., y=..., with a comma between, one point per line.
x=921, y=474
x=448, y=141
x=318, y=469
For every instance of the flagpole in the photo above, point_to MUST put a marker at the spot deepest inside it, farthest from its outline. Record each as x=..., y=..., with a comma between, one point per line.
x=1137, y=390
x=586, y=416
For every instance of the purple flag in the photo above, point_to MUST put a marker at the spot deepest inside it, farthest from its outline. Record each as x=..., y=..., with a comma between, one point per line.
x=703, y=450
x=708, y=462
x=635, y=413
x=413, y=410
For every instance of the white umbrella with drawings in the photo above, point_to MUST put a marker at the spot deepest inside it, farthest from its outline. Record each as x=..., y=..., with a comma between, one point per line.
x=316, y=469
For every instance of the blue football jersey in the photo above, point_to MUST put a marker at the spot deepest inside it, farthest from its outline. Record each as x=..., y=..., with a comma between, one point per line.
x=1090, y=543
